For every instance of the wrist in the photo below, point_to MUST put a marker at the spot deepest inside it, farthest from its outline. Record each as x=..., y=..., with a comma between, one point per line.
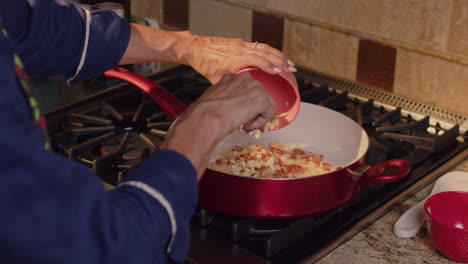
x=184, y=46
x=195, y=135
x=151, y=44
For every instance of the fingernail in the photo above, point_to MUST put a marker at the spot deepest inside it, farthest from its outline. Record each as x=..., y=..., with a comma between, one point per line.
x=290, y=62
x=293, y=69
x=276, y=69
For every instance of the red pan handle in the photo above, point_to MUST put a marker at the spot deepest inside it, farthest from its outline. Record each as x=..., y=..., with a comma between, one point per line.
x=376, y=173
x=170, y=104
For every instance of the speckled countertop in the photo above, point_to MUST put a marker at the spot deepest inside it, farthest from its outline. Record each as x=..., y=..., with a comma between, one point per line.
x=377, y=244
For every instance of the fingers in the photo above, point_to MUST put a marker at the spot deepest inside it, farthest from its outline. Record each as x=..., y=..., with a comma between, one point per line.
x=216, y=56
x=268, y=49
x=264, y=64
x=262, y=106
x=273, y=56
x=257, y=123
x=253, y=105
x=237, y=100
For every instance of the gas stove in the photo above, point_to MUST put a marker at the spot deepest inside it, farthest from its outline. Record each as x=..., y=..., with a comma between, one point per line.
x=113, y=130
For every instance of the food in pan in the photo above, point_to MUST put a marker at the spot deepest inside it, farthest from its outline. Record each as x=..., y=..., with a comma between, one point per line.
x=272, y=161
x=270, y=125
x=274, y=122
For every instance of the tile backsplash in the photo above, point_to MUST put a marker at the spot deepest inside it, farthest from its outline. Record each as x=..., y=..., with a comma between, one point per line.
x=376, y=64
x=414, y=48
x=215, y=18
x=321, y=49
x=268, y=28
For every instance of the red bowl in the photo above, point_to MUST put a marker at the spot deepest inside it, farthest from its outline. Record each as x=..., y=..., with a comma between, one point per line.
x=284, y=90
x=447, y=223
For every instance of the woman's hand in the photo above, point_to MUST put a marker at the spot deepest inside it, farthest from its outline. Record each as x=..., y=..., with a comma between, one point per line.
x=214, y=56
x=237, y=100
x=224, y=107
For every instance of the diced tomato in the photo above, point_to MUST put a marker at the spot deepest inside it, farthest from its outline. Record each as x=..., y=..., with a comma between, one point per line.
x=276, y=150
x=293, y=168
x=237, y=148
x=298, y=151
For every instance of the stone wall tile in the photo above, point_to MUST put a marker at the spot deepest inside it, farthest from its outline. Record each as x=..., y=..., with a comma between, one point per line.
x=416, y=76
x=432, y=80
x=423, y=23
x=313, y=9
x=302, y=43
x=452, y=89
x=458, y=33
x=214, y=18
x=376, y=64
x=176, y=13
x=148, y=8
x=321, y=49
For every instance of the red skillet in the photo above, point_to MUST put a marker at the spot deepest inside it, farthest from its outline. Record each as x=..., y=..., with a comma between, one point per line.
x=317, y=129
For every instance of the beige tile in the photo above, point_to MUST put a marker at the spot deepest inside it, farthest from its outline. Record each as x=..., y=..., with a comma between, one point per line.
x=362, y=15
x=301, y=43
x=338, y=53
x=236, y=22
x=204, y=17
x=423, y=23
x=313, y=9
x=452, y=92
x=321, y=49
x=214, y=18
x=256, y=3
x=432, y=80
x=147, y=8
x=458, y=33
x=416, y=76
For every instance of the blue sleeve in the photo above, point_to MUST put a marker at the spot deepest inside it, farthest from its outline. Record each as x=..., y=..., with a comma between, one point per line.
x=54, y=210
x=61, y=37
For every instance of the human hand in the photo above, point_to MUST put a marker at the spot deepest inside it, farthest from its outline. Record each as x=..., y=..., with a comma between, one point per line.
x=235, y=100
x=239, y=100
x=215, y=56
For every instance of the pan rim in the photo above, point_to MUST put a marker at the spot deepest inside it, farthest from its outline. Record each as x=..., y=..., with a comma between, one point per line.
x=357, y=160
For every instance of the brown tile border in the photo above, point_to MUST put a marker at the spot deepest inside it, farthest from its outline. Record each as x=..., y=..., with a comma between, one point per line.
x=176, y=13
x=376, y=64
x=267, y=28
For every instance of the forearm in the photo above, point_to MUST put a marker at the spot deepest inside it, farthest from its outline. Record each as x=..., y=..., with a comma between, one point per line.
x=150, y=44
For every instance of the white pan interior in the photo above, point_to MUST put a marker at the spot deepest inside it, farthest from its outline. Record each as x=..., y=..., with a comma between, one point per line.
x=318, y=130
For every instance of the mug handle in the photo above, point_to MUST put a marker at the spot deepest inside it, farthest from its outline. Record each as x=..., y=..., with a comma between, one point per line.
x=170, y=104
x=376, y=173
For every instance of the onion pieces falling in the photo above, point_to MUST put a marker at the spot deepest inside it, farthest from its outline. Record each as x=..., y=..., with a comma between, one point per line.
x=270, y=125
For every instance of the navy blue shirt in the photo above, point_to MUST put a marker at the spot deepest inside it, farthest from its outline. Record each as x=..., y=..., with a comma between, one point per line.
x=53, y=210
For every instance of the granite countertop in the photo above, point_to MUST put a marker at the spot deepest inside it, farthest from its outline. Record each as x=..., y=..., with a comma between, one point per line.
x=377, y=244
